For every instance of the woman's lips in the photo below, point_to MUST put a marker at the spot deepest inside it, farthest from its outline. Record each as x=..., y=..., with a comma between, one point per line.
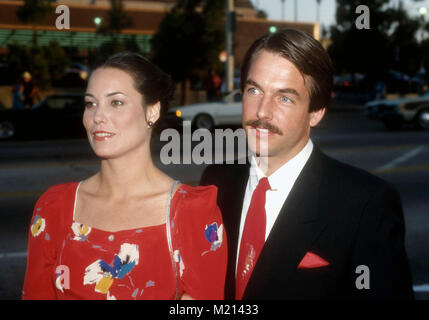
x=102, y=135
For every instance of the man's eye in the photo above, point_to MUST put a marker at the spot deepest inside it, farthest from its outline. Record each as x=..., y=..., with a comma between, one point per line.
x=285, y=99
x=252, y=90
x=117, y=103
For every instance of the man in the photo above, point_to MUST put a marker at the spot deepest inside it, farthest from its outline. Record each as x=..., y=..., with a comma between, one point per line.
x=301, y=225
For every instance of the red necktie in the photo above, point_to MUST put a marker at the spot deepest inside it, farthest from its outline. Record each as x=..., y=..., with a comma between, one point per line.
x=253, y=237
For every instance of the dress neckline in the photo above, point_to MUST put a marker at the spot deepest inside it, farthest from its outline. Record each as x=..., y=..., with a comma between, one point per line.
x=125, y=231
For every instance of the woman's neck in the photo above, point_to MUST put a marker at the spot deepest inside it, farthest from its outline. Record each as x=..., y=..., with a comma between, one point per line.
x=131, y=174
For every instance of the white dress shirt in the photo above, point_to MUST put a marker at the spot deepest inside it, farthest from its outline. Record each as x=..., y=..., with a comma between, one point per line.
x=281, y=182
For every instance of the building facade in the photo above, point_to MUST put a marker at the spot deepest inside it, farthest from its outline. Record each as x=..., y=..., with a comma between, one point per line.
x=145, y=16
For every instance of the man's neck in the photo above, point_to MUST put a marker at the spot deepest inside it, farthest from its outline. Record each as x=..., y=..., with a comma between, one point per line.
x=269, y=165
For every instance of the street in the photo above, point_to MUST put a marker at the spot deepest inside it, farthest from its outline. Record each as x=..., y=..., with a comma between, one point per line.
x=400, y=157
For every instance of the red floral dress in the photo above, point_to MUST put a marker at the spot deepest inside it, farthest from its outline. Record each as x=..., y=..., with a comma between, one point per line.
x=69, y=260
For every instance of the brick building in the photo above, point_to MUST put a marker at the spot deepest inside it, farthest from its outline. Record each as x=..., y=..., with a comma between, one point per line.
x=145, y=15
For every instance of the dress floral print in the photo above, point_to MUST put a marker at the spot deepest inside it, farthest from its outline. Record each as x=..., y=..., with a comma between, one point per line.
x=129, y=264
x=103, y=274
x=38, y=225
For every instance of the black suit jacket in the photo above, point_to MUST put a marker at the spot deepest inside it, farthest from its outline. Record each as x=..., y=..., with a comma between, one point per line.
x=343, y=214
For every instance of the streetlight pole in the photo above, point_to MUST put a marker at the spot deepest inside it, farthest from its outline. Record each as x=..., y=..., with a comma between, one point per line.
x=229, y=40
x=318, y=11
x=296, y=11
x=422, y=12
x=283, y=10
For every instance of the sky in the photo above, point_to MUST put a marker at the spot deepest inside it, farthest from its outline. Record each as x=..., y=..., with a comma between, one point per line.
x=307, y=9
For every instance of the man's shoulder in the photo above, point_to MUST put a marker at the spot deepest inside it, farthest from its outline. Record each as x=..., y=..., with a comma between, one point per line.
x=348, y=175
x=223, y=172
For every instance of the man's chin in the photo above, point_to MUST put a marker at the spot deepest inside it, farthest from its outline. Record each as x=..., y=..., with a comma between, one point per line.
x=259, y=153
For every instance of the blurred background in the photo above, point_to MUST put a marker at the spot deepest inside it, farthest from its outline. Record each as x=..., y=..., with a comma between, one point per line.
x=378, y=120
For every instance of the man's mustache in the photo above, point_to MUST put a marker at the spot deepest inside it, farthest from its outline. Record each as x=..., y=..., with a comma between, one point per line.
x=263, y=124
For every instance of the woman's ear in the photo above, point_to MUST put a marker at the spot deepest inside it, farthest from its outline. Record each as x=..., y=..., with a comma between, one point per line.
x=153, y=112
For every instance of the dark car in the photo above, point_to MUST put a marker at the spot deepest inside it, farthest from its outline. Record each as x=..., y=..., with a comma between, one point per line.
x=56, y=116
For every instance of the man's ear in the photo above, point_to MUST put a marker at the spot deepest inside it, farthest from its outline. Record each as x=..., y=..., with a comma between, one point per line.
x=316, y=116
x=153, y=112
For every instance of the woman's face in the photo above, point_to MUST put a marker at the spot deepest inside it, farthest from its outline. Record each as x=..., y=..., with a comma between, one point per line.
x=114, y=117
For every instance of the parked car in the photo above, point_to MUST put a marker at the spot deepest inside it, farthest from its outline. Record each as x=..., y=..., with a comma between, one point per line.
x=55, y=116
x=396, y=112
x=79, y=69
x=210, y=114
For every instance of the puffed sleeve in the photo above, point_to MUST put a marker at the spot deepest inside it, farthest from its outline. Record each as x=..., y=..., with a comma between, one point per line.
x=41, y=257
x=201, y=243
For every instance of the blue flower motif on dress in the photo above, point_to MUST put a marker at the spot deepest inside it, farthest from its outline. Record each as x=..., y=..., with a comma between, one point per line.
x=103, y=274
x=213, y=234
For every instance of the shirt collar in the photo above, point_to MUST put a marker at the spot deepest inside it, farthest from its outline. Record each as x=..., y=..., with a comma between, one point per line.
x=291, y=169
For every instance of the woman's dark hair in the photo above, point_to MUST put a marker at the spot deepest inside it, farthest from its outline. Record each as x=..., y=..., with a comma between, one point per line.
x=306, y=53
x=149, y=80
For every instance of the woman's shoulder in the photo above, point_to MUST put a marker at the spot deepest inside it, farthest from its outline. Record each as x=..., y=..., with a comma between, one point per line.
x=194, y=193
x=52, y=208
x=197, y=203
x=57, y=194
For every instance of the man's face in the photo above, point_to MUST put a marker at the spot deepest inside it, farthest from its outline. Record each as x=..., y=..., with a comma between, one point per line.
x=276, y=106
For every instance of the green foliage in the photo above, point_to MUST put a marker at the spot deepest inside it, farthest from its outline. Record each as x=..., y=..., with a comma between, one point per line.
x=389, y=44
x=34, y=12
x=352, y=50
x=117, y=20
x=57, y=59
x=261, y=14
x=111, y=47
x=40, y=68
x=190, y=38
x=17, y=61
x=44, y=63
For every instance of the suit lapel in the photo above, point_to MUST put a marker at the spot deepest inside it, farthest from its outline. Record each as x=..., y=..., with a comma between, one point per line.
x=236, y=202
x=296, y=228
x=232, y=216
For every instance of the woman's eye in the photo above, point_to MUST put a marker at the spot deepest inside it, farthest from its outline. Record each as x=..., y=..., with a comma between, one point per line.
x=117, y=103
x=89, y=104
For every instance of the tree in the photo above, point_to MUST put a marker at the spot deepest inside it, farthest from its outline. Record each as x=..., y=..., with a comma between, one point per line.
x=261, y=14
x=403, y=42
x=189, y=40
x=44, y=63
x=117, y=20
x=389, y=44
x=365, y=50
x=34, y=12
x=57, y=58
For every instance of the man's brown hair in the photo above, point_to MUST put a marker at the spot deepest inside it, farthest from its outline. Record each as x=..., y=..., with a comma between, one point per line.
x=306, y=53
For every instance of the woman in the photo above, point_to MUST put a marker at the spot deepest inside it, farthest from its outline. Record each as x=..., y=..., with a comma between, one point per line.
x=129, y=231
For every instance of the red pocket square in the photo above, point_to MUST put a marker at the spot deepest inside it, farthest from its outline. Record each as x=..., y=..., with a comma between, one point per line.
x=312, y=260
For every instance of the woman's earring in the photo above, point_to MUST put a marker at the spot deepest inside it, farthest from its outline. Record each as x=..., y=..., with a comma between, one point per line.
x=150, y=124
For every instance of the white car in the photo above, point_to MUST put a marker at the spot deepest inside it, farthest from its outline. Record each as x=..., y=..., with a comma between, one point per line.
x=398, y=111
x=208, y=115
